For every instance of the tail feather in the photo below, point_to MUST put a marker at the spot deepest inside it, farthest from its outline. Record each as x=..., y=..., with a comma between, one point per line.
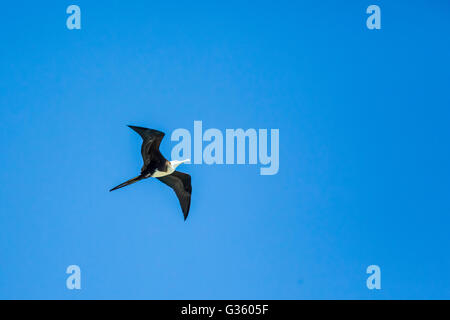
x=126, y=183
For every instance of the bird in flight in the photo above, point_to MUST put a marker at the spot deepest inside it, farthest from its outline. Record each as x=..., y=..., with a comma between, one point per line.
x=156, y=166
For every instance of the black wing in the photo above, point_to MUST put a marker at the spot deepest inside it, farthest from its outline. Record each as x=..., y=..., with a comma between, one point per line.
x=150, y=145
x=181, y=183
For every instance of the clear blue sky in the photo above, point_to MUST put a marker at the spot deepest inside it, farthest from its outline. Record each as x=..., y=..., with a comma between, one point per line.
x=364, y=149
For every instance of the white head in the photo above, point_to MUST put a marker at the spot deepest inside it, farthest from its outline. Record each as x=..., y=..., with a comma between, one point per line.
x=176, y=163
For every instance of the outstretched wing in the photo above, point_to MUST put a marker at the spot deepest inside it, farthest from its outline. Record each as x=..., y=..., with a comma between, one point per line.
x=181, y=183
x=151, y=141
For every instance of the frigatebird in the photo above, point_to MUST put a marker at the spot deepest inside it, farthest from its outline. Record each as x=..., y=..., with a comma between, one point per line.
x=156, y=166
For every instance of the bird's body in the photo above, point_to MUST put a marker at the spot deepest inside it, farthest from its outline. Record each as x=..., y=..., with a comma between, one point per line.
x=159, y=174
x=168, y=168
x=156, y=166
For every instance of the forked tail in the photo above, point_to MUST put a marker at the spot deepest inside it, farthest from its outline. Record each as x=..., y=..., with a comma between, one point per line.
x=126, y=183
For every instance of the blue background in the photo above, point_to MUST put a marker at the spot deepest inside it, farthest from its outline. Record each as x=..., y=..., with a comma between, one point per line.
x=364, y=159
